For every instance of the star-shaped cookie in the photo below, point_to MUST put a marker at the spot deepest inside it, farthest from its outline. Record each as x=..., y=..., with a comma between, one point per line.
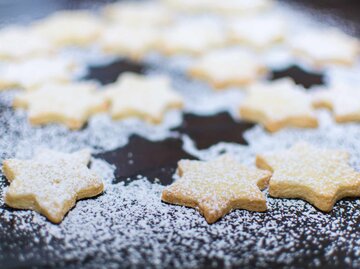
x=51, y=182
x=228, y=7
x=238, y=7
x=258, y=31
x=18, y=43
x=129, y=41
x=67, y=28
x=138, y=13
x=33, y=73
x=342, y=99
x=191, y=37
x=278, y=104
x=227, y=68
x=326, y=47
x=70, y=104
x=218, y=186
x=319, y=176
x=140, y=96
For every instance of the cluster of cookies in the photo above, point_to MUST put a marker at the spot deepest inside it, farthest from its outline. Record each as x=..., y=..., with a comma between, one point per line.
x=319, y=176
x=226, y=56
x=224, y=48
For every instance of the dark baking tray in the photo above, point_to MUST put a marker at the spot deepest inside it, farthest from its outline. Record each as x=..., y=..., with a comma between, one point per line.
x=345, y=14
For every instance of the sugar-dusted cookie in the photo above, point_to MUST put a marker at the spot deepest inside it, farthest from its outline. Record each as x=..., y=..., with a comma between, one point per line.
x=70, y=104
x=319, y=176
x=218, y=186
x=237, y=7
x=78, y=28
x=33, y=73
x=324, y=47
x=138, y=13
x=278, y=104
x=18, y=43
x=129, y=41
x=258, y=31
x=342, y=99
x=140, y=96
x=228, y=7
x=227, y=68
x=51, y=182
x=191, y=37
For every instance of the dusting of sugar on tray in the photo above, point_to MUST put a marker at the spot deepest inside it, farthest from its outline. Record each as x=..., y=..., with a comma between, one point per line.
x=129, y=226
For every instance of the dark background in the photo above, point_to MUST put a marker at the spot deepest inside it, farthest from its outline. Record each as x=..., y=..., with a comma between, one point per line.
x=341, y=13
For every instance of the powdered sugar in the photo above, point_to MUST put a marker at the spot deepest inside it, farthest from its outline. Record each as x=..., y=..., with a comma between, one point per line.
x=129, y=226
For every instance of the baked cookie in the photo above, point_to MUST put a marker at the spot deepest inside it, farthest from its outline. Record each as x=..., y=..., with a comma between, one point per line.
x=239, y=7
x=217, y=187
x=82, y=28
x=258, y=31
x=148, y=98
x=191, y=37
x=33, y=73
x=138, y=14
x=324, y=47
x=342, y=99
x=19, y=43
x=227, y=68
x=228, y=7
x=128, y=41
x=278, y=104
x=319, y=176
x=51, y=182
x=70, y=104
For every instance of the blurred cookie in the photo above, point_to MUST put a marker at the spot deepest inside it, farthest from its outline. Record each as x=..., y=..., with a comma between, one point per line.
x=70, y=104
x=277, y=105
x=341, y=99
x=191, y=37
x=228, y=7
x=138, y=14
x=148, y=98
x=19, y=43
x=259, y=31
x=227, y=68
x=33, y=73
x=70, y=28
x=326, y=47
x=132, y=42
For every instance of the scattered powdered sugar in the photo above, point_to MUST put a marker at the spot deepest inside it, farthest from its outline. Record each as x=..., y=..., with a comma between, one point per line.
x=19, y=138
x=129, y=226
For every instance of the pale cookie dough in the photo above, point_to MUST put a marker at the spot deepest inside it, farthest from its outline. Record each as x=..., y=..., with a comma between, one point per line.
x=138, y=14
x=277, y=105
x=19, y=43
x=132, y=42
x=33, y=73
x=70, y=104
x=139, y=96
x=51, y=182
x=193, y=37
x=326, y=47
x=217, y=187
x=70, y=28
x=342, y=99
x=319, y=176
x=260, y=31
x=227, y=68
